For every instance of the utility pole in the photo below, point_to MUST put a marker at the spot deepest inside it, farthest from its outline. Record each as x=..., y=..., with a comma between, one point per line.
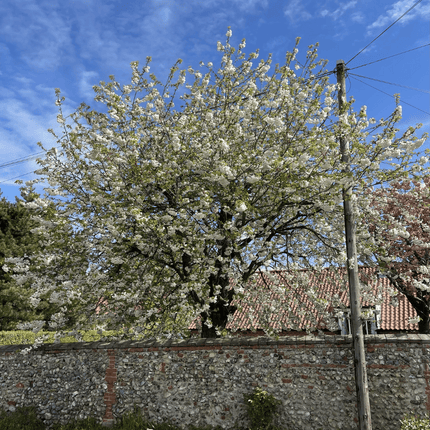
x=361, y=385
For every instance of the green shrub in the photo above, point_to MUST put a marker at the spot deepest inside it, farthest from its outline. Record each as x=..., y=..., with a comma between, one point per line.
x=24, y=418
x=23, y=337
x=411, y=422
x=261, y=407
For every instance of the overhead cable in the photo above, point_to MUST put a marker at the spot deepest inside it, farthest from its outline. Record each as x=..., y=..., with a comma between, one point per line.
x=21, y=160
x=25, y=174
x=403, y=102
x=390, y=83
x=398, y=19
x=404, y=52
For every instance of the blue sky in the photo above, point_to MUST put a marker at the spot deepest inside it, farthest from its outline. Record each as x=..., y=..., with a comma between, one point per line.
x=74, y=45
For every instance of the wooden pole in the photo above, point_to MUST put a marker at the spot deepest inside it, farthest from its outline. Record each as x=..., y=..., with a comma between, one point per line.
x=361, y=384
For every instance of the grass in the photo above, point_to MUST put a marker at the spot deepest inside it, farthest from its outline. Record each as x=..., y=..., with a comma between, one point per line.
x=25, y=419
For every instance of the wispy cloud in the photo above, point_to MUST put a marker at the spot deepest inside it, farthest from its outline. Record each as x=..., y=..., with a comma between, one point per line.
x=396, y=10
x=296, y=11
x=247, y=5
x=86, y=85
x=40, y=33
x=337, y=13
x=19, y=127
x=357, y=17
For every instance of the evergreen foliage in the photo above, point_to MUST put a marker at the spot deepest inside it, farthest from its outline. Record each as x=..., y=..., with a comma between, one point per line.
x=17, y=240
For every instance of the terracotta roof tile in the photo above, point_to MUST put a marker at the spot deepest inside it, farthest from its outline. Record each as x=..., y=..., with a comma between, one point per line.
x=392, y=318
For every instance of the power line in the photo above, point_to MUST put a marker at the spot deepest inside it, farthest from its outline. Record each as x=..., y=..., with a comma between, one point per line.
x=403, y=102
x=385, y=82
x=25, y=174
x=404, y=52
x=21, y=160
x=416, y=4
x=26, y=158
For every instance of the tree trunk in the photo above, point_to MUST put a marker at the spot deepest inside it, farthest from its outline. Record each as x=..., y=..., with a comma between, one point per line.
x=208, y=332
x=219, y=316
x=423, y=325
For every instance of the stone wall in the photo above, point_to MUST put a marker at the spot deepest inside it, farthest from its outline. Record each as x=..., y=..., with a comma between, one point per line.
x=202, y=381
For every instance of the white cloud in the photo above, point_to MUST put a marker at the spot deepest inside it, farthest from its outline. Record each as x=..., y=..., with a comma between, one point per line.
x=28, y=110
x=248, y=5
x=42, y=36
x=357, y=17
x=339, y=11
x=296, y=12
x=342, y=9
x=165, y=13
x=6, y=92
x=276, y=42
x=22, y=127
x=86, y=83
x=369, y=49
x=398, y=9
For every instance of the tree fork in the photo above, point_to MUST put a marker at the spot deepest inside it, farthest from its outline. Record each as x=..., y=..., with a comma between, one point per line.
x=361, y=384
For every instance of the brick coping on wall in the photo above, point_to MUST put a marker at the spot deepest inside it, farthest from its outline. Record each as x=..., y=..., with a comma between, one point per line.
x=215, y=343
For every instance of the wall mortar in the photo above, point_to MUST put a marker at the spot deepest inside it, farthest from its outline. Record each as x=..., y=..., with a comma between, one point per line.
x=202, y=381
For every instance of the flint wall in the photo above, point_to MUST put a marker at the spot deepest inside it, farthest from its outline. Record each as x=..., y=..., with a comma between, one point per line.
x=202, y=381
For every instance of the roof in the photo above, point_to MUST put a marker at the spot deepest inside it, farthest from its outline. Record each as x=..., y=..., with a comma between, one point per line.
x=327, y=284
x=392, y=317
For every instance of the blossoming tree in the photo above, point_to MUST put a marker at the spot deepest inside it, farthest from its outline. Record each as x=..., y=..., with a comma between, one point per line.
x=398, y=223
x=170, y=206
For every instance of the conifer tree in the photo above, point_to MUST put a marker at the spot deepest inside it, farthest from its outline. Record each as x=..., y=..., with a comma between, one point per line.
x=18, y=240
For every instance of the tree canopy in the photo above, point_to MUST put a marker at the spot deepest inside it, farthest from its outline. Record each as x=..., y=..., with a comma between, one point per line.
x=398, y=222
x=169, y=207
